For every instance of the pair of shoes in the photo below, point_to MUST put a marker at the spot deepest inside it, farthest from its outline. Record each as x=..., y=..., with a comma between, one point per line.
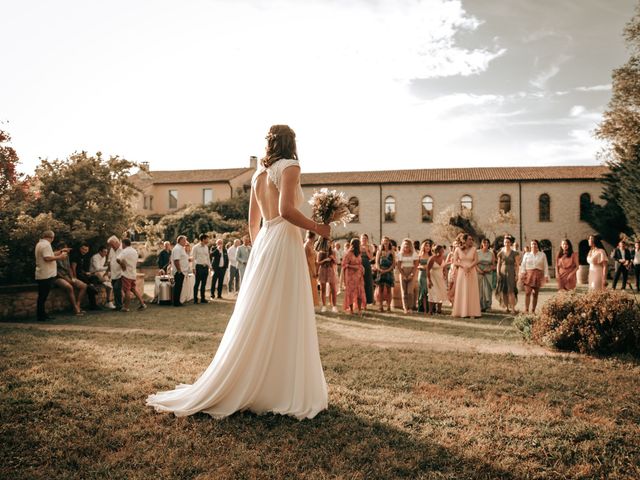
x=334, y=309
x=204, y=301
x=80, y=313
x=143, y=306
x=195, y=301
x=220, y=297
x=110, y=305
x=323, y=309
x=124, y=309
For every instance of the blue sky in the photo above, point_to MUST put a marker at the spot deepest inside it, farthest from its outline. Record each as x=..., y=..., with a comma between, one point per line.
x=367, y=85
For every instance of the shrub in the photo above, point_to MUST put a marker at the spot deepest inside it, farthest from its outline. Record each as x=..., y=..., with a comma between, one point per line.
x=523, y=322
x=596, y=322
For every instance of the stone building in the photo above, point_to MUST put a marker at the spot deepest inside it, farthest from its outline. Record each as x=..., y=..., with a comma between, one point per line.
x=543, y=203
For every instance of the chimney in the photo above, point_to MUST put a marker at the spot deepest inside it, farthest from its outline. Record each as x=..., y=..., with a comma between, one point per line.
x=253, y=162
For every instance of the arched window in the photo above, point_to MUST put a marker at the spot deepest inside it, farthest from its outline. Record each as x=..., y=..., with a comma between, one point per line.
x=389, y=209
x=505, y=203
x=354, y=208
x=466, y=202
x=585, y=206
x=544, y=208
x=427, y=209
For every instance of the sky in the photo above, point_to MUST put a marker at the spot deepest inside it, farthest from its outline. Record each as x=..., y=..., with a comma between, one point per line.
x=366, y=84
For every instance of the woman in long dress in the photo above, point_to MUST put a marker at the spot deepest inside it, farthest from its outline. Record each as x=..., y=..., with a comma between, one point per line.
x=353, y=278
x=598, y=263
x=268, y=359
x=385, y=266
x=310, y=254
x=423, y=284
x=466, y=300
x=436, y=280
x=566, y=266
x=366, y=251
x=326, y=261
x=507, y=268
x=486, y=267
x=407, y=270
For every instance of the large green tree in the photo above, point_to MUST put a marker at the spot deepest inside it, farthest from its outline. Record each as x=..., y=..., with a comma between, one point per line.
x=620, y=128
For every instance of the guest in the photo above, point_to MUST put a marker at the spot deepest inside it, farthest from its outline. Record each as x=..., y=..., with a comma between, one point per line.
x=220, y=263
x=180, y=267
x=534, y=272
x=100, y=269
x=115, y=272
x=242, y=256
x=128, y=259
x=385, y=265
x=423, y=284
x=234, y=273
x=407, y=269
x=367, y=257
x=326, y=261
x=338, y=253
x=164, y=257
x=436, y=280
x=46, y=271
x=341, y=286
x=623, y=258
x=202, y=263
x=353, y=272
x=451, y=272
x=636, y=264
x=187, y=249
x=486, y=270
x=312, y=266
x=466, y=301
x=80, y=260
x=506, y=284
x=598, y=263
x=67, y=281
x=566, y=266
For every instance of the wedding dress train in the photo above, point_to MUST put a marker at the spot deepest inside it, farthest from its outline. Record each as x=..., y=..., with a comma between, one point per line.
x=268, y=359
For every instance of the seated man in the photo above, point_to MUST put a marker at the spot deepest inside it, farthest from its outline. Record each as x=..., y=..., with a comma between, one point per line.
x=81, y=268
x=68, y=282
x=99, y=269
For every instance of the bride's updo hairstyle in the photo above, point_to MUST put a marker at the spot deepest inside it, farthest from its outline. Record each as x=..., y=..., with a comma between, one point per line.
x=281, y=143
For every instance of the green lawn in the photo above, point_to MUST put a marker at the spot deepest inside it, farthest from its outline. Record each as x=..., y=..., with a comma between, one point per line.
x=409, y=397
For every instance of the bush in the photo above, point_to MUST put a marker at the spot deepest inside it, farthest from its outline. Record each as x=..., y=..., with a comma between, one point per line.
x=523, y=322
x=596, y=322
x=150, y=261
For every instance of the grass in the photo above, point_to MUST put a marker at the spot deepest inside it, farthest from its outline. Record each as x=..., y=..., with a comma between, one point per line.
x=410, y=397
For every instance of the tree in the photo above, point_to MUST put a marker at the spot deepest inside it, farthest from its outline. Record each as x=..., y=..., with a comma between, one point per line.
x=90, y=194
x=620, y=128
x=9, y=160
x=194, y=220
x=452, y=221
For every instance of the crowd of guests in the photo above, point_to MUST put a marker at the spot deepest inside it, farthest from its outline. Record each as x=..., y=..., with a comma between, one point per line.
x=219, y=265
x=427, y=275
x=465, y=276
x=80, y=273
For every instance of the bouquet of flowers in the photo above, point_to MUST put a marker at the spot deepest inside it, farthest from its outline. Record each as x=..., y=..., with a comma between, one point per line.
x=329, y=207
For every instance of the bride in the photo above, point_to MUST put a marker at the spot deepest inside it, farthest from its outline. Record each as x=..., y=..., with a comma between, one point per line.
x=268, y=359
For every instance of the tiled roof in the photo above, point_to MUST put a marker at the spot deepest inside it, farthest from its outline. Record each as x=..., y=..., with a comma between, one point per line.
x=196, y=176
x=442, y=175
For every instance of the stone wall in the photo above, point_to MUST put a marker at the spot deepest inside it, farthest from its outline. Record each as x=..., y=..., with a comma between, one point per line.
x=19, y=301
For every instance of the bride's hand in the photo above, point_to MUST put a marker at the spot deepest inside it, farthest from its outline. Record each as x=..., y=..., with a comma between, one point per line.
x=324, y=230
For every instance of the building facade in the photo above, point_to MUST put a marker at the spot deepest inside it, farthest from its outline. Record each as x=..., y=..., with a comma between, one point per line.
x=543, y=203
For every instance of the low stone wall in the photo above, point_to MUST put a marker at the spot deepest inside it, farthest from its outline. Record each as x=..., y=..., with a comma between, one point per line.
x=19, y=301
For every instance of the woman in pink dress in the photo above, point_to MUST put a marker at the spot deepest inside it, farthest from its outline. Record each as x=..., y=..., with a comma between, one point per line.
x=566, y=266
x=353, y=272
x=598, y=262
x=466, y=300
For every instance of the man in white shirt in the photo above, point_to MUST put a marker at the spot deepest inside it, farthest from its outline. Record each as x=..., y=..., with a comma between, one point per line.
x=202, y=262
x=180, y=264
x=234, y=273
x=99, y=269
x=128, y=259
x=242, y=255
x=46, y=271
x=115, y=270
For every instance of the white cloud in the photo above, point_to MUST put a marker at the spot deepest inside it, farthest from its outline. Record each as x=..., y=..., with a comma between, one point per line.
x=595, y=88
x=577, y=110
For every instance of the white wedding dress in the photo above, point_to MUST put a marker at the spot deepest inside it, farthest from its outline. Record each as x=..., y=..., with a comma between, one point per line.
x=268, y=359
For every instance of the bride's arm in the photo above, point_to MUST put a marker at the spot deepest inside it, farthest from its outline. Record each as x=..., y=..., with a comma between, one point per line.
x=254, y=216
x=287, y=206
